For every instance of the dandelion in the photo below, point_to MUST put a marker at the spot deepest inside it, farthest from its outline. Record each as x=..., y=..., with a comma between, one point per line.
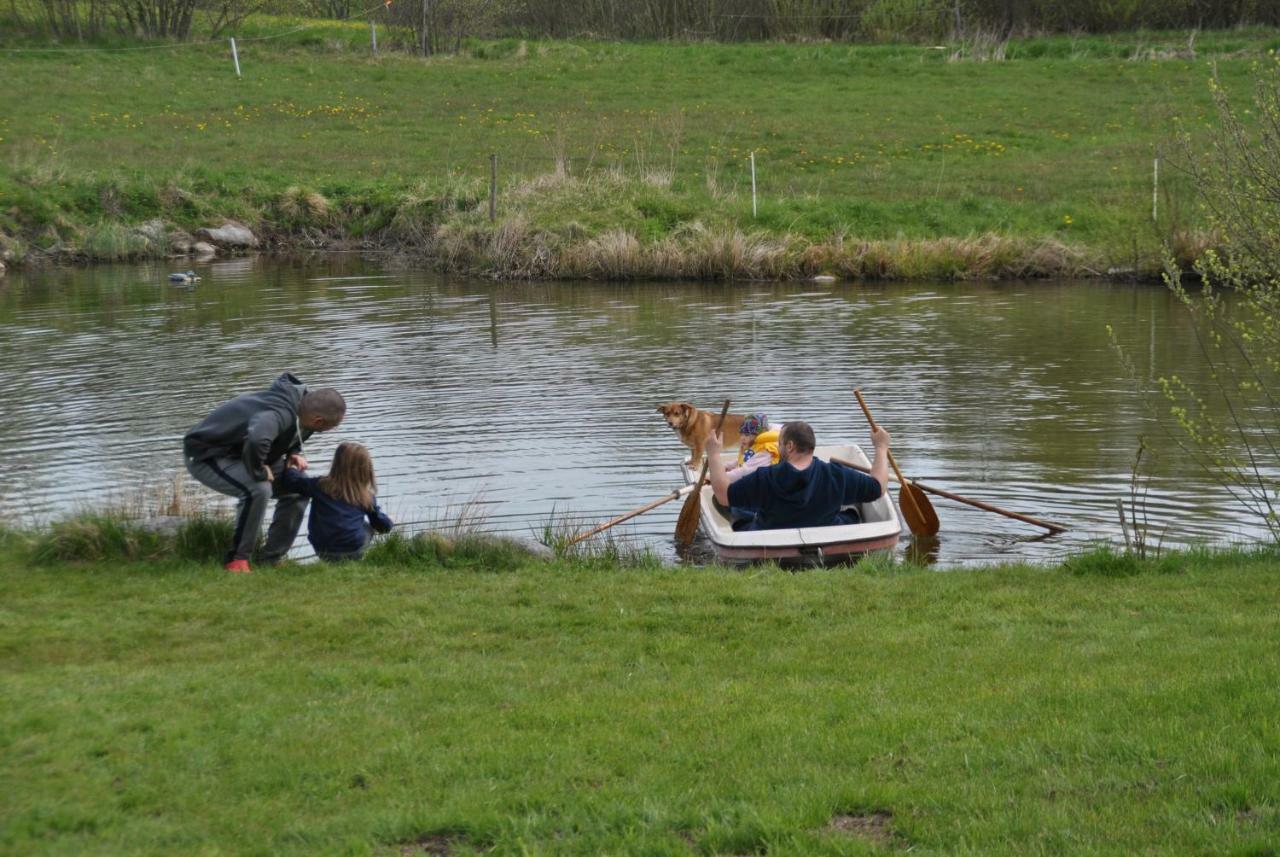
x=1066, y=220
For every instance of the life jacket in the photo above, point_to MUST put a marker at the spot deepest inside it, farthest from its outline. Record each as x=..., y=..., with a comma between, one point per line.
x=765, y=442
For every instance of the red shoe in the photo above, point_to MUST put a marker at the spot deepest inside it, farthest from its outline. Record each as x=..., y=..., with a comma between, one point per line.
x=238, y=566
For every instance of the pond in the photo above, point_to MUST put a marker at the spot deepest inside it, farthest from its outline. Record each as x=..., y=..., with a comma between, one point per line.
x=518, y=402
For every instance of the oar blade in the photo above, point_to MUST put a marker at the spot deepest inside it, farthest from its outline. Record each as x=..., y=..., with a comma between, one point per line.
x=921, y=518
x=690, y=516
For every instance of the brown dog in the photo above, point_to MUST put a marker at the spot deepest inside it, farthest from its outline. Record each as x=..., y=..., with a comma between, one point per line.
x=694, y=427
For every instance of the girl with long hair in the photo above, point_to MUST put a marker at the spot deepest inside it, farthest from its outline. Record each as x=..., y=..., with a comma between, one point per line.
x=344, y=505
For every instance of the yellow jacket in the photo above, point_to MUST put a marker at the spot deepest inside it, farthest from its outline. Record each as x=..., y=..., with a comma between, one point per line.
x=765, y=442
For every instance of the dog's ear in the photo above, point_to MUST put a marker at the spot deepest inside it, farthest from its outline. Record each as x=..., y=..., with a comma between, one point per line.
x=662, y=409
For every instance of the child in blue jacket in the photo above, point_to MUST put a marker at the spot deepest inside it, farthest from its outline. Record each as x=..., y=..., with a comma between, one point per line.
x=344, y=508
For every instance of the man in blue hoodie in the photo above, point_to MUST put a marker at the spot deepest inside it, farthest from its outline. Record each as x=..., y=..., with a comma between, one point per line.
x=800, y=490
x=241, y=448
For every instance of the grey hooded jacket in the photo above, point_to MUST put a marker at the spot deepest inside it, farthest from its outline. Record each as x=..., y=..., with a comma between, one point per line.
x=258, y=428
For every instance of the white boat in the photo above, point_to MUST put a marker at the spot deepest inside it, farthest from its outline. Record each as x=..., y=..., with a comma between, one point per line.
x=881, y=526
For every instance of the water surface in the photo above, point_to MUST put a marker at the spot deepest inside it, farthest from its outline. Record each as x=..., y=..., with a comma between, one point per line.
x=528, y=400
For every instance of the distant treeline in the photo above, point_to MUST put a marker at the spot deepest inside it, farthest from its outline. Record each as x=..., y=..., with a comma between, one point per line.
x=858, y=20
x=443, y=25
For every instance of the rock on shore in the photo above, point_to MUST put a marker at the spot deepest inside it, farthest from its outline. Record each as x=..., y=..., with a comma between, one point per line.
x=230, y=235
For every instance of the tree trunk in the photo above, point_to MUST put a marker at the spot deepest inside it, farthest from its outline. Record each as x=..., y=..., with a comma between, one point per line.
x=426, y=40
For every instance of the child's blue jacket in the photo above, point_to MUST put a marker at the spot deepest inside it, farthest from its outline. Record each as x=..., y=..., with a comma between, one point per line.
x=335, y=526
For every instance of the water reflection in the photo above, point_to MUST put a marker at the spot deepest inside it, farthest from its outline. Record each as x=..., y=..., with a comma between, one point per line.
x=539, y=397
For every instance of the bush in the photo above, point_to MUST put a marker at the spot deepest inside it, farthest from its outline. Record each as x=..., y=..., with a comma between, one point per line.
x=1236, y=313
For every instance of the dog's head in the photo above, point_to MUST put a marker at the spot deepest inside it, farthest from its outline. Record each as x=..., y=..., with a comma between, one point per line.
x=677, y=414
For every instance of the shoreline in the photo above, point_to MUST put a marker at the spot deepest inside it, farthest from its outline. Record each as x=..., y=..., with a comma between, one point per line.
x=515, y=250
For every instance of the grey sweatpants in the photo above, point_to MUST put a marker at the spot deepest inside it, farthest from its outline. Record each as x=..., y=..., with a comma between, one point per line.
x=229, y=476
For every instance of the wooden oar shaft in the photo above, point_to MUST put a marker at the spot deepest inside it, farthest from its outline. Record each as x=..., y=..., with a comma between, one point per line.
x=871, y=421
x=978, y=504
x=634, y=513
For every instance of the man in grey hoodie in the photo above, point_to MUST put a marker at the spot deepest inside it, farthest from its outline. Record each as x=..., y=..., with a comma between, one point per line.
x=241, y=448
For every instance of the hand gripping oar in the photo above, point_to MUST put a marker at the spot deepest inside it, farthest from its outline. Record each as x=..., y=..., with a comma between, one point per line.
x=687, y=523
x=918, y=511
x=978, y=504
x=634, y=513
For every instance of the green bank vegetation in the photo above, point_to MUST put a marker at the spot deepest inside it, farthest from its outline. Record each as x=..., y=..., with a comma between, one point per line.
x=446, y=25
x=523, y=705
x=619, y=160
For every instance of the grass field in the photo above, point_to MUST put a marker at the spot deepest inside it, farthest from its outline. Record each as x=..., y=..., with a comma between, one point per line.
x=607, y=150
x=571, y=708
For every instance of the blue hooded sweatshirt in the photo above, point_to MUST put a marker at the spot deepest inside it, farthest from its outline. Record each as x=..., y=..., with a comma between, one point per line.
x=336, y=526
x=782, y=496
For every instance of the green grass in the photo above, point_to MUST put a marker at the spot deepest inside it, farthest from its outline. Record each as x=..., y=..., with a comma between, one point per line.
x=559, y=708
x=879, y=142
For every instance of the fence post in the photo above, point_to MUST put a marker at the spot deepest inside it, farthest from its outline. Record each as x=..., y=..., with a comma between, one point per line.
x=373, y=34
x=493, y=188
x=1155, y=188
x=235, y=55
x=753, y=185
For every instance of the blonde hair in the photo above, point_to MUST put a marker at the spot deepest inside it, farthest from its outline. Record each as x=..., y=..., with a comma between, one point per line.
x=350, y=476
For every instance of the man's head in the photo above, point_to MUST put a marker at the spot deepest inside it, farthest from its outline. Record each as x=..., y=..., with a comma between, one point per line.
x=796, y=439
x=322, y=409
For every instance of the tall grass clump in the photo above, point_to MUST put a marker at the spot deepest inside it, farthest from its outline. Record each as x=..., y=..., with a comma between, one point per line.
x=303, y=208
x=95, y=537
x=115, y=242
x=1105, y=561
x=608, y=549
x=434, y=549
x=203, y=538
x=107, y=536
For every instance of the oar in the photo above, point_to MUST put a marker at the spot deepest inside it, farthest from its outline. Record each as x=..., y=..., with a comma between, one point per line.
x=634, y=513
x=918, y=511
x=687, y=523
x=978, y=504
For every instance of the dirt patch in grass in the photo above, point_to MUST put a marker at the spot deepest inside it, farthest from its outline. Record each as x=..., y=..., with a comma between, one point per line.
x=1246, y=816
x=438, y=844
x=874, y=827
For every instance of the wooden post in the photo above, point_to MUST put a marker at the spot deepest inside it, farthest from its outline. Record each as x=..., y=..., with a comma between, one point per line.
x=1155, y=188
x=753, y=185
x=373, y=34
x=493, y=188
x=235, y=55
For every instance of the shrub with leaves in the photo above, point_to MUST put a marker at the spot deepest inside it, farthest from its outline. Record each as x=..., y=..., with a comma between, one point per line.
x=1236, y=312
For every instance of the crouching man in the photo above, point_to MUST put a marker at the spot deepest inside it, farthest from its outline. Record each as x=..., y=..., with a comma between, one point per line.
x=243, y=446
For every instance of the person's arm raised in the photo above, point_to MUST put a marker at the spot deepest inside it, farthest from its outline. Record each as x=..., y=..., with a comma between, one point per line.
x=880, y=466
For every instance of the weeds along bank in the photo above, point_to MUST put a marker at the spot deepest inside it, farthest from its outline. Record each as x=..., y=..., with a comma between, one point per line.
x=553, y=707
x=620, y=160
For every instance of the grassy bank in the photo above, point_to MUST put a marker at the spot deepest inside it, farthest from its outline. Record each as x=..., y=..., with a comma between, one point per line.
x=618, y=159
x=555, y=707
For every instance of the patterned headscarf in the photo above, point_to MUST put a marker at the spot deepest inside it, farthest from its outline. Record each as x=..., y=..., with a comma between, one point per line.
x=754, y=424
